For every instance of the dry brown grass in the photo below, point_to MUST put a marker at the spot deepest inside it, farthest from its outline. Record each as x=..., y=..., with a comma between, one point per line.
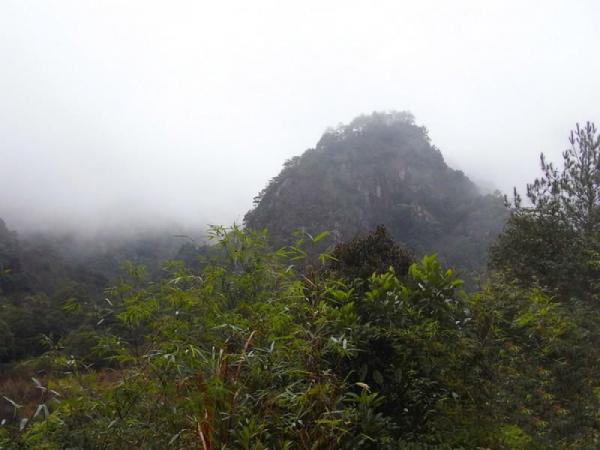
x=23, y=391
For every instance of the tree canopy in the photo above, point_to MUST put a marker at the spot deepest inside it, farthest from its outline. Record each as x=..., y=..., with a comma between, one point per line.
x=554, y=237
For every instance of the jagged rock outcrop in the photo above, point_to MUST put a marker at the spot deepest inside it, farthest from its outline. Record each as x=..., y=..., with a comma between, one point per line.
x=381, y=169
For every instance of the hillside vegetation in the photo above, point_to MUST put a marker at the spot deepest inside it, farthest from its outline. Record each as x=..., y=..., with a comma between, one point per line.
x=382, y=169
x=322, y=344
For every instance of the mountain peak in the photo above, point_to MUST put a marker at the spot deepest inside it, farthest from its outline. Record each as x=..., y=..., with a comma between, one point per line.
x=381, y=169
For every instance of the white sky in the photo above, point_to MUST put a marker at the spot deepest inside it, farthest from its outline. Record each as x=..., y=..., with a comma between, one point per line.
x=111, y=110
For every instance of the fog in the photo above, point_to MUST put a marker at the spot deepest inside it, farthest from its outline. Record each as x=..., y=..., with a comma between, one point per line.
x=115, y=112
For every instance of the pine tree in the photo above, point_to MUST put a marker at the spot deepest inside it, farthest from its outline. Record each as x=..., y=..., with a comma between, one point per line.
x=555, y=238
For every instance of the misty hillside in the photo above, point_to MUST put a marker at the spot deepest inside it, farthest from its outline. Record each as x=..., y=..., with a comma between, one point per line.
x=105, y=344
x=380, y=292
x=45, y=262
x=381, y=169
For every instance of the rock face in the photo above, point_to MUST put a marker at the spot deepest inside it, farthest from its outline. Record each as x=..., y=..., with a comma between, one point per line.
x=381, y=169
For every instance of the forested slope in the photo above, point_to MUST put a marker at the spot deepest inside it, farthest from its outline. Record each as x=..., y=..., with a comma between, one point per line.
x=360, y=346
x=50, y=282
x=382, y=169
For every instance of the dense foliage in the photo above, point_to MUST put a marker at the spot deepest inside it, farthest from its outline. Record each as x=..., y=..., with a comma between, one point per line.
x=356, y=345
x=375, y=253
x=382, y=169
x=51, y=283
x=555, y=238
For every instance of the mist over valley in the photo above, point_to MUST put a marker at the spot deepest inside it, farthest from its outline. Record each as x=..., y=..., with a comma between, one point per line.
x=322, y=225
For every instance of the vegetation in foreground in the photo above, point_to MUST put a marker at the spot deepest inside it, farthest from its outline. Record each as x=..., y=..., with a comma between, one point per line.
x=358, y=347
